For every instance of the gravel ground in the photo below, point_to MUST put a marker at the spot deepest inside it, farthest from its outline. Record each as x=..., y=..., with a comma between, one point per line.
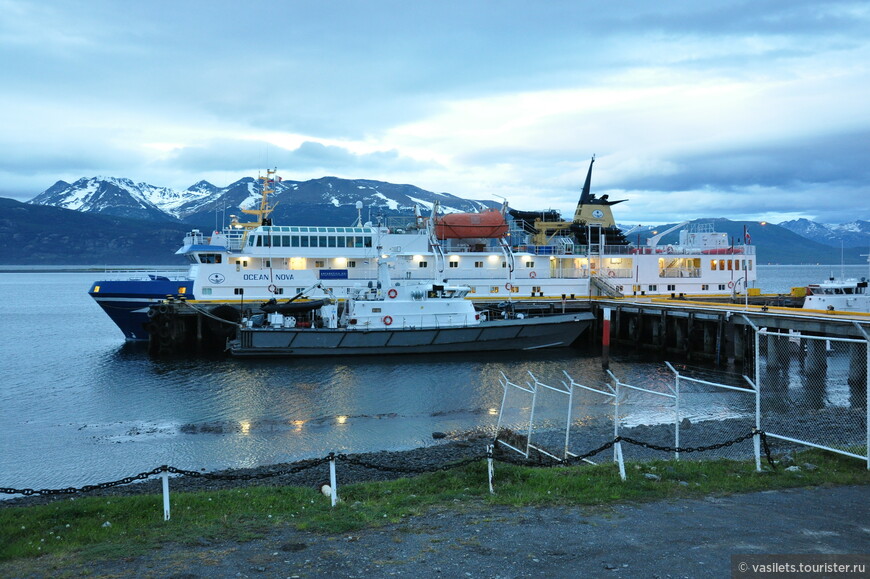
x=679, y=538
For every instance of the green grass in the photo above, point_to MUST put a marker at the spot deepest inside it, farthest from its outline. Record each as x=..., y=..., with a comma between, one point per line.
x=73, y=530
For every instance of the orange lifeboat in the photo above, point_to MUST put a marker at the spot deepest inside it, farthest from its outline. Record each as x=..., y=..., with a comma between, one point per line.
x=488, y=224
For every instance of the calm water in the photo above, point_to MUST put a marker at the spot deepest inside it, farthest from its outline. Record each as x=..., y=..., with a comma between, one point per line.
x=80, y=406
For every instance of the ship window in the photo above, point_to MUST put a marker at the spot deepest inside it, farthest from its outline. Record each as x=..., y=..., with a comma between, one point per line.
x=239, y=291
x=304, y=240
x=652, y=288
x=704, y=287
x=368, y=241
x=536, y=289
x=267, y=263
x=454, y=264
x=672, y=288
x=721, y=287
x=294, y=241
x=206, y=291
x=494, y=289
x=530, y=264
x=713, y=263
x=721, y=265
x=478, y=264
x=250, y=241
x=331, y=241
x=504, y=264
x=321, y=229
x=209, y=258
x=424, y=264
x=515, y=289
x=319, y=263
x=259, y=242
x=279, y=291
x=351, y=264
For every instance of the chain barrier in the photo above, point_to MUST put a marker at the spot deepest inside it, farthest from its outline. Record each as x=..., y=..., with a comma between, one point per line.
x=387, y=468
x=313, y=463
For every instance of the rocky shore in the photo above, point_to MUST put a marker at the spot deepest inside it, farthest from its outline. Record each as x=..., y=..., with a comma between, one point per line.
x=838, y=426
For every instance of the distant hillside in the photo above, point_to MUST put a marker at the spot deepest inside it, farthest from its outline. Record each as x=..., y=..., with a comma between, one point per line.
x=854, y=234
x=37, y=235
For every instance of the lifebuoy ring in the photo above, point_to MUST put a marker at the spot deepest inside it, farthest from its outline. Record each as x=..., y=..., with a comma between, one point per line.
x=730, y=284
x=272, y=288
x=387, y=320
x=533, y=275
x=611, y=273
x=508, y=286
x=392, y=293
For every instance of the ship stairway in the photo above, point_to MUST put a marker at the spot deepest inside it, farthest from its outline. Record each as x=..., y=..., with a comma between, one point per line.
x=435, y=243
x=508, y=254
x=604, y=287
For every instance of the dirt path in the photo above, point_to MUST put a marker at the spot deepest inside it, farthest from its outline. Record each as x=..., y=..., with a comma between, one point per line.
x=679, y=538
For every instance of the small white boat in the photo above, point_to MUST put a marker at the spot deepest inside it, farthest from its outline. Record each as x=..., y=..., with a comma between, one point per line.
x=838, y=295
x=398, y=318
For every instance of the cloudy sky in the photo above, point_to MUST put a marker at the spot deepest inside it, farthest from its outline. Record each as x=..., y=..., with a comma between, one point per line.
x=744, y=110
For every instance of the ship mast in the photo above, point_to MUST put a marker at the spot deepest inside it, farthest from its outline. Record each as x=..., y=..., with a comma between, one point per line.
x=267, y=187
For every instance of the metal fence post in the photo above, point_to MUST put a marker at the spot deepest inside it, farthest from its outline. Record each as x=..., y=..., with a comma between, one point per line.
x=677, y=411
x=165, y=476
x=490, y=471
x=332, y=482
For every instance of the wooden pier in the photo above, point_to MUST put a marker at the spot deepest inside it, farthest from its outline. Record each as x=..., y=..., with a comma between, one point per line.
x=713, y=331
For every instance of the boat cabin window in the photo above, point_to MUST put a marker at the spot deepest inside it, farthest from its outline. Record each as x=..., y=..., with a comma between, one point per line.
x=210, y=258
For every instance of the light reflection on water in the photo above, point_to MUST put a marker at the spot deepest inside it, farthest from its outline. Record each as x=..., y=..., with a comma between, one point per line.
x=80, y=406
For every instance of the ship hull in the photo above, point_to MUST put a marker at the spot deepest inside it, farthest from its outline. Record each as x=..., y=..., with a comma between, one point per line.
x=126, y=302
x=497, y=335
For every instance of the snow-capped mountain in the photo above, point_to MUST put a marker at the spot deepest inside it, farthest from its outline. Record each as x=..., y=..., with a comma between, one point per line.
x=328, y=200
x=854, y=234
x=119, y=197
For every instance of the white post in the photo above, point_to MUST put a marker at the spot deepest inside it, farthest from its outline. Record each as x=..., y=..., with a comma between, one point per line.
x=531, y=417
x=332, y=482
x=165, y=476
x=618, y=448
x=677, y=410
x=757, y=438
x=570, y=388
x=489, y=450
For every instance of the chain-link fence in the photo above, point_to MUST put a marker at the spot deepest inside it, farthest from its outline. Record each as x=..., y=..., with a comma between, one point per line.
x=814, y=391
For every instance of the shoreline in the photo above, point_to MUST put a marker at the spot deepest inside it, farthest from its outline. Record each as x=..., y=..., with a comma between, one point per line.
x=470, y=444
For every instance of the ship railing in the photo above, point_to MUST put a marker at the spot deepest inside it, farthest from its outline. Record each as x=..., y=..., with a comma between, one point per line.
x=668, y=249
x=613, y=272
x=170, y=273
x=563, y=250
x=673, y=272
